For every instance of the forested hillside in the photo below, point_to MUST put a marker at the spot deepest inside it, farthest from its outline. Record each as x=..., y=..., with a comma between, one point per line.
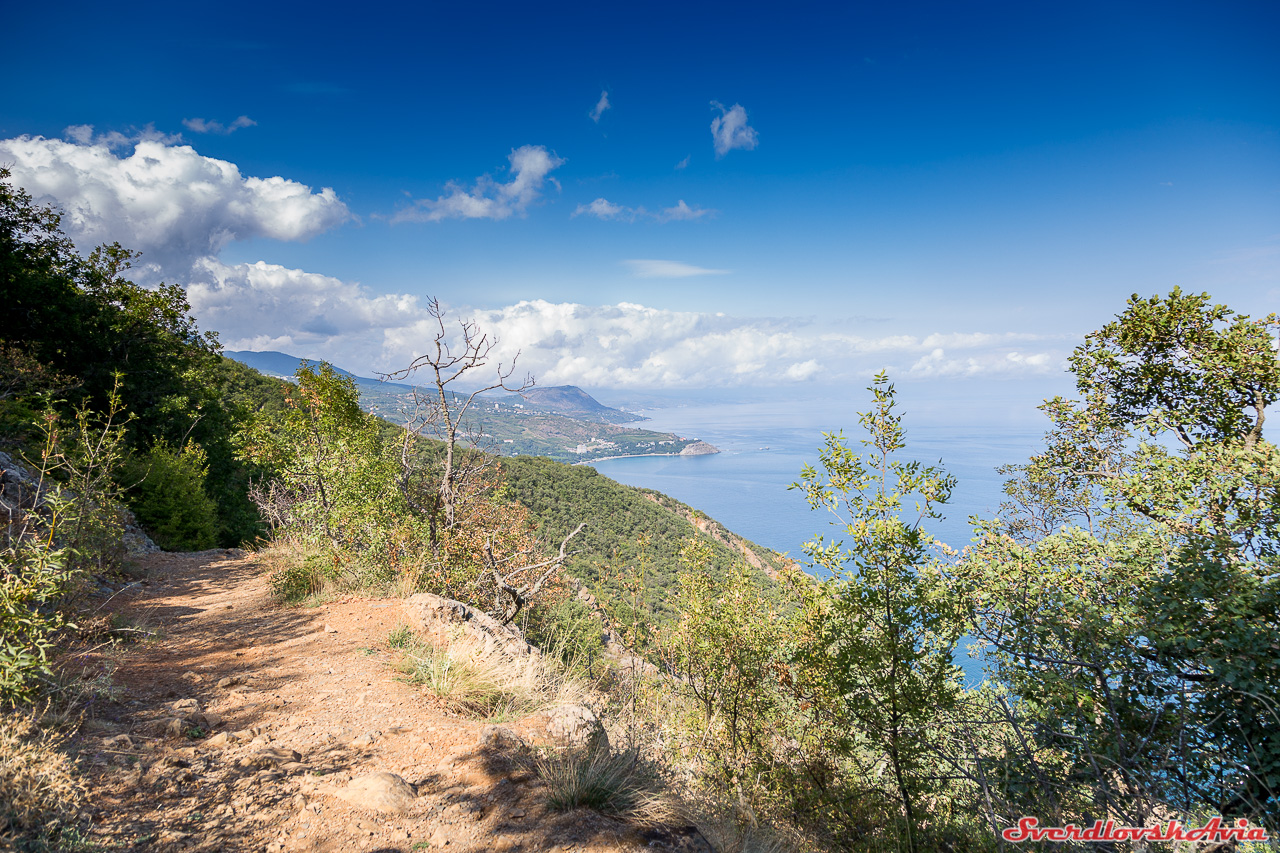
x=628, y=530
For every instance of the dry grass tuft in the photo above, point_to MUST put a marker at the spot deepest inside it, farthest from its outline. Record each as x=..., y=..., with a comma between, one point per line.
x=489, y=686
x=617, y=783
x=38, y=786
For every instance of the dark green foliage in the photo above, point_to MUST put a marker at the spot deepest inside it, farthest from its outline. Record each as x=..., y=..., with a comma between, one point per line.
x=167, y=494
x=72, y=323
x=1129, y=593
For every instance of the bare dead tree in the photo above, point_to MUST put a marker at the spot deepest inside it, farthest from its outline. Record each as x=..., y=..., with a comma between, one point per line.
x=441, y=411
x=508, y=581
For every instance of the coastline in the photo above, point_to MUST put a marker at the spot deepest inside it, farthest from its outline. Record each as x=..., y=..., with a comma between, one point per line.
x=714, y=450
x=623, y=456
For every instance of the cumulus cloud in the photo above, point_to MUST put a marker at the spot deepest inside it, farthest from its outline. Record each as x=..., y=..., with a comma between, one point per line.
x=730, y=130
x=182, y=208
x=602, y=208
x=635, y=346
x=938, y=364
x=642, y=268
x=262, y=306
x=488, y=199
x=199, y=125
x=167, y=201
x=601, y=105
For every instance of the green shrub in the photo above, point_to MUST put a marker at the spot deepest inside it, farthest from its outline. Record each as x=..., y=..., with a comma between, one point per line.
x=295, y=581
x=167, y=493
x=33, y=577
x=567, y=630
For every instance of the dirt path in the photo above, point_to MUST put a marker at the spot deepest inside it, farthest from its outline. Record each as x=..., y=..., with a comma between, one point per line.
x=235, y=727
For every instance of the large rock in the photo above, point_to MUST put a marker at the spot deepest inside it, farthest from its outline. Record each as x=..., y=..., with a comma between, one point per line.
x=576, y=726
x=380, y=792
x=443, y=621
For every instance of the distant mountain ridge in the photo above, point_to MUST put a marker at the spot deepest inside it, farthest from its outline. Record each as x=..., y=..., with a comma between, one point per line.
x=275, y=363
x=564, y=423
x=572, y=401
x=568, y=400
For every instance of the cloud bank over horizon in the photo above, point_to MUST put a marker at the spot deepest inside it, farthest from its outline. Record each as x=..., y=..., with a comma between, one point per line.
x=265, y=306
x=182, y=209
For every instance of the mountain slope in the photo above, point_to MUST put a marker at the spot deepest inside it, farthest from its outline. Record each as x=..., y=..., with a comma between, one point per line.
x=572, y=401
x=274, y=363
x=633, y=536
x=564, y=422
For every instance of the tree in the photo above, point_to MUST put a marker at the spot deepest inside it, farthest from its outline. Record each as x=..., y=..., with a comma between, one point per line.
x=443, y=412
x=1130, y=593
x=74, y=322
x=460, y=481
x=874, y=662
x=333, y=475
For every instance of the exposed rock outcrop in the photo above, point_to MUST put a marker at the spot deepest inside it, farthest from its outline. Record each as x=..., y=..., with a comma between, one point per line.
x=576, y=726
x=22, y=490
x=444, y=621
x=699, y=448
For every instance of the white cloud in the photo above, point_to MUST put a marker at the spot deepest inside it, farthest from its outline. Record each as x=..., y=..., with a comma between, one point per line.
x=167, y=201
x=601, y=105
x=730, y=130
x=199, y=125
x=263, y=306
x=530, y=167
x=684, y=164
x=602, y=208
x=182, y=208
x=634, y=346
x=667, y=269
x=683, y=212
x=84, y=134
x=937, y=364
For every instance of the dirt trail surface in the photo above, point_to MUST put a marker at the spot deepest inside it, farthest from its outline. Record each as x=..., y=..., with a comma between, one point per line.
x=244, y=725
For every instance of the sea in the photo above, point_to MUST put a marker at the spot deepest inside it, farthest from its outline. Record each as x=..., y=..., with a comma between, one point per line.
x=765, y=444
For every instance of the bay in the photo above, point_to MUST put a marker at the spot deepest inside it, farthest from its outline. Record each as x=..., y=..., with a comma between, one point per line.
x=764, y=446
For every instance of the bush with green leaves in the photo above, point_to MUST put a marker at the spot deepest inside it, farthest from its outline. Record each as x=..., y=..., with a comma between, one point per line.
x=167, y=493
x=567, y=629
x=1129, y=594
x=297, y=580
x=34, y=576
x=63, y=524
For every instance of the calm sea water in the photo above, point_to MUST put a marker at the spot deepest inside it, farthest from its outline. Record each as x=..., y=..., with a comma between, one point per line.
x=765, y=445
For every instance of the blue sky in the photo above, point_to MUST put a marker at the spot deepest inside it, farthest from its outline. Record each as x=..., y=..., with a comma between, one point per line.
x=654, y=198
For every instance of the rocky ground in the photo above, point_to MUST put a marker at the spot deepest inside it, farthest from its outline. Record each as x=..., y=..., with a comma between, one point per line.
x=243, y=725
